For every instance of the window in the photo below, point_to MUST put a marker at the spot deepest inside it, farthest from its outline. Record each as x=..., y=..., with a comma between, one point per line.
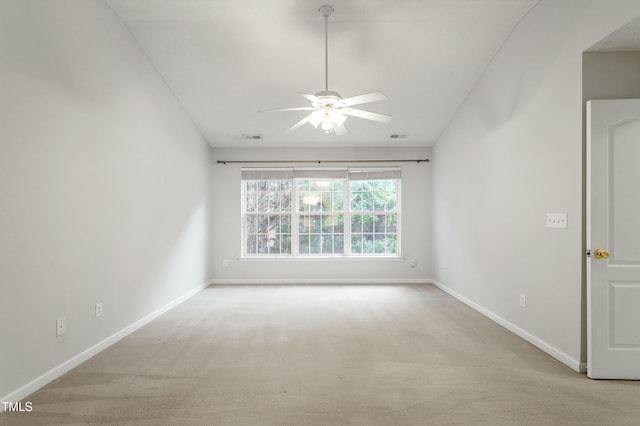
x=320, y=213
x=267, y=212
x=320, y=216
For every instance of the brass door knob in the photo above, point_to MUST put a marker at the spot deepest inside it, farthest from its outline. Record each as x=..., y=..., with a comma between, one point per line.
x=601, y=254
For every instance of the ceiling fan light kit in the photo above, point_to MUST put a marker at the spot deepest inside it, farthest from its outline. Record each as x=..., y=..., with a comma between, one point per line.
x=329, y=109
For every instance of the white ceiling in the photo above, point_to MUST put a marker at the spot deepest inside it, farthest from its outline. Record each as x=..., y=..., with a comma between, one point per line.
x=227, y=59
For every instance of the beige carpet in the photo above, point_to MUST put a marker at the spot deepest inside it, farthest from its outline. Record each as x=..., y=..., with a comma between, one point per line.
x=327, y=355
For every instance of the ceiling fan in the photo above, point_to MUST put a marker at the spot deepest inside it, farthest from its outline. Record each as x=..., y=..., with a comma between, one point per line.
x=328, y=109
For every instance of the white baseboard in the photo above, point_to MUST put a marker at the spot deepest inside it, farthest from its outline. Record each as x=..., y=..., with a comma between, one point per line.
x=570, y=362
x=326, y=281
x=71, y=363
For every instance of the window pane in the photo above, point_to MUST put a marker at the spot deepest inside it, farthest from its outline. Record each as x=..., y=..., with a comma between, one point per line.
x=327, y=201
x=367, y=223
x=263, y=244
x=274, y=225
x=338, y=244
x=390, y=204
x=316, y=223
x=378, y=201
x=250, y=186
x=367, y=201
x=367, y=243
x=303, y=244
x=356, y=224
x=285, y=244
x=250, y=224
x=315, y=245
x=262, y=201
x=315, y=201
x=356, y=201
x=379, y=225
x=274, y=245
x=309, y=224
x=310, y=201
x=250, y=200
x=356, y=244
x=285, y=201
x=391, y=222
x=338, y=200
x=391, y=244
x=274, y=202
x=263, y=223
x=327, y=244
x=251, y=244
x=332, y=224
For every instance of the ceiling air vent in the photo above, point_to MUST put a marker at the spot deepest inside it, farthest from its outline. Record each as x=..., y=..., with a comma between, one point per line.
x=252, y=137
x=398, y=136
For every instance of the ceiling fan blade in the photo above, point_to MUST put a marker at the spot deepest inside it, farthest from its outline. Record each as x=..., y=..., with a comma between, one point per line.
x=340, y=130
x=382, y=118
x=312, y=98
x=364, y=99
x=288, y=109
x=299, y=123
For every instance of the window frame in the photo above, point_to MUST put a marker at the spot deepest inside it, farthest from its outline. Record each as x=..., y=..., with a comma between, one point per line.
x=295, y=213
x=396, y=212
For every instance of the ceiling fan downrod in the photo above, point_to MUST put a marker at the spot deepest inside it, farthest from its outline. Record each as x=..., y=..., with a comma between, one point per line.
x=326, y=11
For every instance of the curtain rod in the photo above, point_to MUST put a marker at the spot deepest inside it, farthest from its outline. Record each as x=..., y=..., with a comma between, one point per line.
x=426, y=160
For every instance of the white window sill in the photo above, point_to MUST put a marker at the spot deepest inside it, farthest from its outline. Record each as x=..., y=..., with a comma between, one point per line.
x=321, y=258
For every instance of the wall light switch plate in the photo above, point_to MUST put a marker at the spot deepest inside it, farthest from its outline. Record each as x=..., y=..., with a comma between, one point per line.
x=557, y=220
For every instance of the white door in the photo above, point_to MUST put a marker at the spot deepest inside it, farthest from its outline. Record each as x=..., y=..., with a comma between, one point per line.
x=613, y=228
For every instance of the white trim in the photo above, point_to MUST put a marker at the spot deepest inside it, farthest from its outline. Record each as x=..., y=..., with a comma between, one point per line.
x=326, y=258
x=570, y=362
x=583, y=367
x=332, y=281
x=78, y=359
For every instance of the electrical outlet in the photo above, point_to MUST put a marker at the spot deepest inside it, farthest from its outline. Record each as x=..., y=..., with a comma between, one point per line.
x=523, y=300
x=61, y=326
x=412, y=263
x=225, y=263
x=98, y=309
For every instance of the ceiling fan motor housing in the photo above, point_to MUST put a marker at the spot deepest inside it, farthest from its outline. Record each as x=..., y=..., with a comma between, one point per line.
x=329, y=98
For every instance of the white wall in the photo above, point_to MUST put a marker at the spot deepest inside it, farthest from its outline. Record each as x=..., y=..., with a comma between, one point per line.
x=226, y=223
x=610, y=75
x=104, y=184
x=512, y=154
